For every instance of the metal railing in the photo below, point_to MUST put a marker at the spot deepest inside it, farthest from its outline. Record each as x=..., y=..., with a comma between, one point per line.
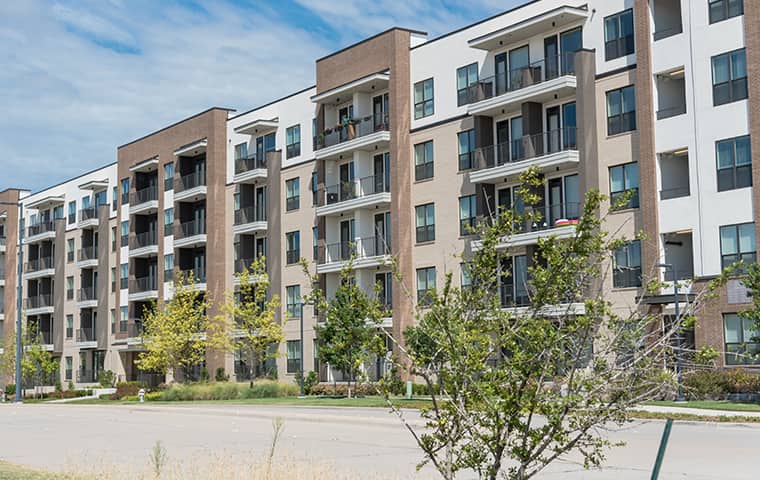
x=516, y=79
x=251, y=162
x=87, y=253
x=40, y=228
x=356, y=189
x=86, y=294
x=511, y=298
x=353, y=128
x=148, y=194
x=135, y=329
x=43, y=263
x=86, y=376
x=676, y=192
x=45, y=337
x=526, y=148
x=243, y=263
x=545, y=217
x=362, y=248
x=192, y=180
x=3, y=241
x=88, y=213
x=249, y=215
x=86, y=335
x=199, y=275
x=189, y=229
x=143, y=284
x=39, y=301
x=663, y=33
x=671, y=112
x=144, y=239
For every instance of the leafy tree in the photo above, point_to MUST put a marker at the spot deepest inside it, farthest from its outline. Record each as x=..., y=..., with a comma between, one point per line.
x=250, y=318
x=513, y=390
x=8, y=358
x=752, y=282
x=177, y=333
x=37, y=364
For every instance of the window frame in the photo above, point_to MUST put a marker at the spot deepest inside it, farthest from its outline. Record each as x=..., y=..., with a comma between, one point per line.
x=463, y=97
x=423, y=295
x=734, y=168
x=467, y=156
x=168, y=179
x=292, y=194
x=293, y=145
x=624, y=116
x=423, y=102
x=426, y=169
x=734, y=84
x=725, y=258
x=626, y=281
x=424, y=233
x=467, y=225
x=292, y=255
x=740, y=347
x=621, y=44
x=294, y=305
x=168, y=227
x=633, y=202
x=293, y=364
x=726, y=7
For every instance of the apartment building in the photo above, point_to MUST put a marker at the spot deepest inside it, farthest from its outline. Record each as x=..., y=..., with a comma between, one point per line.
x=404, y=142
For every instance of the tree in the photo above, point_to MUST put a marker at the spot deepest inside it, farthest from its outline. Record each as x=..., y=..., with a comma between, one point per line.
x=177, y=333
x=752, y=282
x=250, y=318
x=350, y=333
x=38, y=367
x=8, y=358
x=513, y=390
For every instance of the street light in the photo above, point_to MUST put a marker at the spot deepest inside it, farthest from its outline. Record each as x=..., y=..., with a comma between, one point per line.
x=20, y=254
x=300, y=315
x=679, y=366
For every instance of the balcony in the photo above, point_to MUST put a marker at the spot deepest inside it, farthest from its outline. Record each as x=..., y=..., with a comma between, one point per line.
x=548, y=151
x=366, y=253
x=143, y=288
x=86, y=338
x=367, y=192
x=88, y=217
x=190, y=234
x=87, y=297
x=144, y=244
x=250, y=220
x=674, y=174
x=44, y=337
x=667, y=18
x=250, y=169
x=39, y=305
x=367, y=133
x=541, y=81
x=39, y=268
x=199, y=277
x=87, y=257
x=2, y=275
x=557, y=220
x=144, y=201
x=40, y=231
x=3, y=243
x=191, y=187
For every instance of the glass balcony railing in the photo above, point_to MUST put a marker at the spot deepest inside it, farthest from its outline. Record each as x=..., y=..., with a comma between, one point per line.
x=143, y=284
x=44, y=263
x=40, y=228
x=88, y=213
x=251, y=162
x=189, y=229
x=353, y=128
x=250, y=214
x=144, y=239
x=86, y=335
x=144, y=195
x=356, y=188
x=87, y=253
x=363, y=248
x=192, y=180
x=87, y=294
x=525, y=148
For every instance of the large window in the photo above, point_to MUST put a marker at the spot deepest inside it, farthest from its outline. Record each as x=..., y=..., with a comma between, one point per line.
x=627, y=266
x=293, y=141
x=423, y=99
x=169, y=176
x=124, y=276
x=69, y=326
x=466, y=141
x=292, y=194
x=69, y=288
x=624, y=185
x=168, y=267
x=742, y=340
x=618, y=35
x=734, y=163
x=737, y=243
x=724, y=9
x=293, y=301
x=425, y=223
x=70, y=250
x=293, y=247
x=467, y=214
x=123, y=319
x=729, y=77
x=168, y=222
x=425, y=285
x=294, y=356
x=115, y=198
x=125, y=233
x=466, y=77
x=124, y=191
x=314, y=188
x=423, y=161
x=72, y=212
x=621, y=110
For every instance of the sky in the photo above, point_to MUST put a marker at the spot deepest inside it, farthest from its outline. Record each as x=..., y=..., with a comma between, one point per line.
x=78, y=78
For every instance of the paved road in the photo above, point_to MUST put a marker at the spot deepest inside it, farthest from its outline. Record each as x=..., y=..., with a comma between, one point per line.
x=358, y=439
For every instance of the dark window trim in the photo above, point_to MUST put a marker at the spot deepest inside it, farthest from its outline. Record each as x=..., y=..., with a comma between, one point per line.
x=293, y=149
x=424, y=100
x=631, y=276
x=738, y=88
x=464, y=92
x=425, y=170
x=623, y=118
x=726, y=12
x=620, y=43
x=425, y=233
x=614, y=195
x=294, y=202
x=735, y=184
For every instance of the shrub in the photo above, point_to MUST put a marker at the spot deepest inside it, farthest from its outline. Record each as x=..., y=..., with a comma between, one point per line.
x=226, y=391
x=204, y=375
x=10, y=389
x=125, y=389
x=741, y=381
x=221, y=376
x=361, y=389
x=310, y=381
x=106, y=378
x=705, y=385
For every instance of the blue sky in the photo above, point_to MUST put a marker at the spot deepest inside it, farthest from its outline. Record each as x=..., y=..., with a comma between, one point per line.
x=80, y=77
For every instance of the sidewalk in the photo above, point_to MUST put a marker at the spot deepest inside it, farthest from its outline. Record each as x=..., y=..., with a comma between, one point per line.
x=696, y=411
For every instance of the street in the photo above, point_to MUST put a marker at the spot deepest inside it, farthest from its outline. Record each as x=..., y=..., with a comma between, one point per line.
x=362, y=440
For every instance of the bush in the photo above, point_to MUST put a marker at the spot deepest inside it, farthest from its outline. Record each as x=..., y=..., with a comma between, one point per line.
x=361, y=389
x=741, y=381
x=106, y=378
x=125, y=389
x=10, y=389
x=227, y=391
x=221, y=376
x=310, y=381
x=705, y=385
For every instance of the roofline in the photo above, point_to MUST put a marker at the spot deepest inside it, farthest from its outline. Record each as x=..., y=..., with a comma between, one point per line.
x=419, y=32
x=70, y=179
x=175, y=124
x=458, y=30
x=14, y=189
x=272, y=102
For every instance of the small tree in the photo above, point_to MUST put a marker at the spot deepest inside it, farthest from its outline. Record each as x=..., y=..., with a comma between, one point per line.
x=8, y=358
x=752, y=282
x=177, y=333
x=37, y=364
x=250, y=318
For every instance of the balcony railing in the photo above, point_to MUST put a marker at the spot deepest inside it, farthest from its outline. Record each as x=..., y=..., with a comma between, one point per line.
x=355, y=189
x=525, y=148
x=671, y=112
x=135, y=329
x=675, y=192
x=45, y=337
x=148, y=194
x=363, y=248
x=512, y=298
x=144, y=284
x=86, y=376
x=199, y=275
x=88, y=213
x=87, y=253
x=144, y=239
x=519, y=78
x=190, y=229
x=3, y=241
x=251, y=162
x=44, y=263
x=249, y=215
x=87, y=294
x=2, y=273
x=547, y=217
x=192, y=180
x=86, y=335
x=40, y=228
x=39, y=301
x=353, y=128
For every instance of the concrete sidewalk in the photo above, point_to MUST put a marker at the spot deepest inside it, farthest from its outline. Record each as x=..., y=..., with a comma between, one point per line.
x=696, y=411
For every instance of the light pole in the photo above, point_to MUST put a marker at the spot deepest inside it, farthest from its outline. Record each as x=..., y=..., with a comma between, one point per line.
x=679, y=366
x=300, y=317
x=20, y=254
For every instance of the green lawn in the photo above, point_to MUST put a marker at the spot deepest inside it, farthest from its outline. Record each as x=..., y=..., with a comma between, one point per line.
x=14, y=472
x=711, y=405
x=377, y=402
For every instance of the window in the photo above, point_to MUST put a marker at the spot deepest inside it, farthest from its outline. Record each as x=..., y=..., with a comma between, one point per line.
x=618, y=35
x=425, y=285
x=113, y=279
x=293, y=301
x=293, y=247
x=123, y=319
x=169, y=176
x=466, y=77
x=69, y=288
x=113, y=239
x=624, y=182
x=621, y=110
x=115, y=198
x=124, y=191
x=113, y=321
x=70, y=250
x=467, y=214
x=729, y=77
x=627, y=266
x=724, y=9
x=72, y=212
x=168, y=222
x=314, y=188
x=168, y=267
x=68, y=374
x=737, y=243
x=125, y=233
x=69, y=326
x=292, y=194
x=742, y=340
x=293, y=141
x=58, y=213
x=423, y=99
x=124, y=276
x=294, y=356
x=241, y=151
x=315, y=243
x=465, y=275
x=734, y=163
x=466, y=149
x=423, y=161
x=425, y=223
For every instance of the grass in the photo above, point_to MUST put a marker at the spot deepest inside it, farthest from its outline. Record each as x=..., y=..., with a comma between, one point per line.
x=710, y=405
x=14, y=472
x=640, y=414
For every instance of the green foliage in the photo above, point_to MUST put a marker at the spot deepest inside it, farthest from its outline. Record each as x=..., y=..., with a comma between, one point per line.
x=752, y=282
x=126, y=389
x=706, y=356
x=38, y=365
x=341, y=390
x=10, y=389
x=221, y=375
x=312, y=379
x=705, y=385
x=227, y=391
x=106, y=378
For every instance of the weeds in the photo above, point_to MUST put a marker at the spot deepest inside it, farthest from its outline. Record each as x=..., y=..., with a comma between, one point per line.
x=158, y=458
